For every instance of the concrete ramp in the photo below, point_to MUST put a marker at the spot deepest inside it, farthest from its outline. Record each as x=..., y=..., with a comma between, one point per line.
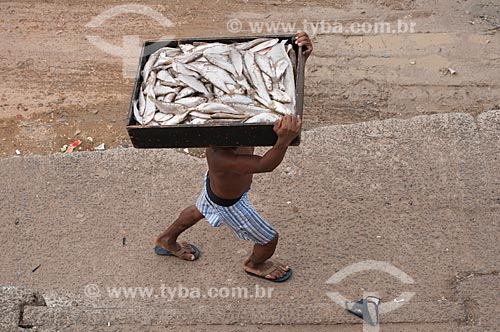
x=408, y=209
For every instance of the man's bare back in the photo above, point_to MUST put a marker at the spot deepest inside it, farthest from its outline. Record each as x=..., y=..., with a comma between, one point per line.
x=227, y=184
x=231, y=169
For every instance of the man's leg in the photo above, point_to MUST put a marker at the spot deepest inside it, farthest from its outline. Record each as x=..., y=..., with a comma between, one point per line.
x=168, y=239
x=258, y=260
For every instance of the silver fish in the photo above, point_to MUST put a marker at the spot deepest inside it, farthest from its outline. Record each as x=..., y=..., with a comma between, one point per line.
x=217, y=48
x=153, y=123
x=280, y=96
x=289, y=81
x=252, y=43
x=250, y=109
x=200, y=115
x=178, y=83
x=264, y=45
x=197, y=121
x=242, y=82
x=268, y=81
x=165, y=76
x=149, y=65
x=162, y=117
x=181, y=68
x=256, y=76
x=186, y=92
x=224, y=75
x=172, y=72
x=170, y=52
x=179, y=118
x=221, y=61
x=169, y=98
x=163, y=61
x=264, y=51
x=150, y=111
x=276, y=54
x=169, y=108
x=142, y=103
x=246, y=79
x=267, y=103
x=194, y=83
x=216, y=108
x=236, y=99
x=281, y=66
x=186, y=48
x=237, y=61
x=191, y=102
x=218, y=92
x=215, y=75
x=204, y=46
x=222, y=115
x=265, y=66
x=150, y=83
x=149, y=91
x=137, y=114
x=190, y=57
x=280, y=108
x=235, y=89
x=162, y=90
x=158, y=68
x=263, y=117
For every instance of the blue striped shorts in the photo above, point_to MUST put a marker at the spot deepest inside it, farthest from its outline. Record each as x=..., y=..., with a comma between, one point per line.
x=241, y=218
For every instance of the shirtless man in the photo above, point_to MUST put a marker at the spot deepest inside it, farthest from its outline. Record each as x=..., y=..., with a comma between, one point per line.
x=224, y=199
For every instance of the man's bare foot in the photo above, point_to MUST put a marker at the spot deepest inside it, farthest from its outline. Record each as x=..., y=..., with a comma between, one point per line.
x=278, y=272
x=184, y=251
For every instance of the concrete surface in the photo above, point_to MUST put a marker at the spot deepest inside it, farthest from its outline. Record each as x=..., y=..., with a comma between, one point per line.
x=420, y=194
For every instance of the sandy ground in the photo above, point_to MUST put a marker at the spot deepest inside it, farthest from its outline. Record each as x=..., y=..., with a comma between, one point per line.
x=57, y=86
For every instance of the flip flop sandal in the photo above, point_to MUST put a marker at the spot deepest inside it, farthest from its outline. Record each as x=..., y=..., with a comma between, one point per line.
x=270, y=270
x=366, y=309
x=183, y=250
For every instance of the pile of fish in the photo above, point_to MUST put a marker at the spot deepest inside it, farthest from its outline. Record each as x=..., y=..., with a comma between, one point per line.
x=249, y=82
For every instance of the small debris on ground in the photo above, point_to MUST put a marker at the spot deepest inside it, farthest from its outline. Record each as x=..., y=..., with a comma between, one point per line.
x=447, y=71
x=18, y=152
x=73, y=146
x=22, y=108
x=100, y=147
x=36, y=268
